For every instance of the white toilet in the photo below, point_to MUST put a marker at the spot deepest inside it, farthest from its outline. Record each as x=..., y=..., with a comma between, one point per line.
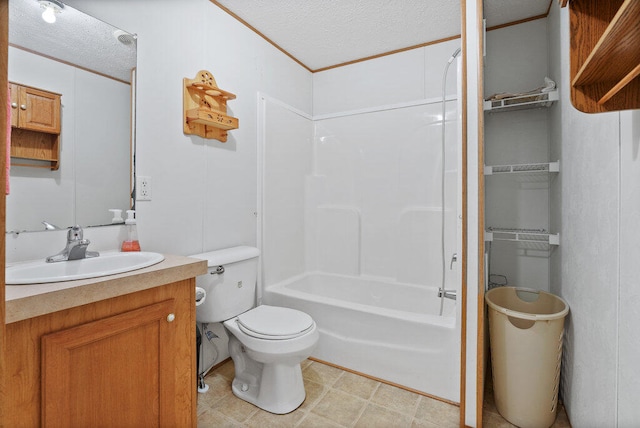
x=266, y=343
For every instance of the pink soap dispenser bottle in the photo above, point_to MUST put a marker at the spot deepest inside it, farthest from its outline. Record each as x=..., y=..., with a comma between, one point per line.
x=131, y=243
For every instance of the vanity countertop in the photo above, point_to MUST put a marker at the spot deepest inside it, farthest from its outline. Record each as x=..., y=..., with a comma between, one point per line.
x=28, y=301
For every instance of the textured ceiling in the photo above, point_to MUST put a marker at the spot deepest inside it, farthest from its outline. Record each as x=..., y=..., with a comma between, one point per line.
x=326, y=33
x=499, y=12
x=317, y=33
x=329, y=32
x=74, y=38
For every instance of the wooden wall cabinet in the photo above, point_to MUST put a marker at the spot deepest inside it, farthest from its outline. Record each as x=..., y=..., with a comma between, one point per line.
x=35, y=126
x=605, y=55
x=125, y=361
x=35, y=109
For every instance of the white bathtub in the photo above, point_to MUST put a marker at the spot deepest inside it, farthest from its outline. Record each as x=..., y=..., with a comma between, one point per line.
x=387, y=330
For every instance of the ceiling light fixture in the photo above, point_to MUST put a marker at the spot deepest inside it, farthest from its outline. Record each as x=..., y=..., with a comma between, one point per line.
x=51, y=8
x=124, y=37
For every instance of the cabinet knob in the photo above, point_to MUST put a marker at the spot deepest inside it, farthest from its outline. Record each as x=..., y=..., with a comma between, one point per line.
x=14, y=105
x=23, y=106
x=171, y=317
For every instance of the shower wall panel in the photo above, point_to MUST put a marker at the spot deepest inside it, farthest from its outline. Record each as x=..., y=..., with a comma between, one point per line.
x=337, y=233
x=286, y=161
x=382, y=176
x=400, y=78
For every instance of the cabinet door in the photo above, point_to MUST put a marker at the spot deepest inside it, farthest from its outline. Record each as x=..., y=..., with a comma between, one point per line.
x=39, y=110
x=114, y=372
x=14, y=94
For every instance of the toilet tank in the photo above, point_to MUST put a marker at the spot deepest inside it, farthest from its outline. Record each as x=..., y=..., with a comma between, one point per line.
x=230, y=283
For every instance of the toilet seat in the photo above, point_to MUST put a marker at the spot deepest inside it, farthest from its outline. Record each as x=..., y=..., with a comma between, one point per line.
x=274, y=323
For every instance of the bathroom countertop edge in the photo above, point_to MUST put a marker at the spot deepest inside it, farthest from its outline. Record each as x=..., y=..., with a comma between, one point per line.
x=29, y=301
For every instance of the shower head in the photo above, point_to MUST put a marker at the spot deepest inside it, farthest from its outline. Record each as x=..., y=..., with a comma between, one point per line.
x=454, y=55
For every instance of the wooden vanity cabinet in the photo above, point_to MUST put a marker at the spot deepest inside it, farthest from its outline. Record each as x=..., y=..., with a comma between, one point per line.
x=35, y=126
x=124, y=361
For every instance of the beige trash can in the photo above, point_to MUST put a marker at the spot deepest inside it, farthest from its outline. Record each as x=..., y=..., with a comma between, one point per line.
x=525, y=331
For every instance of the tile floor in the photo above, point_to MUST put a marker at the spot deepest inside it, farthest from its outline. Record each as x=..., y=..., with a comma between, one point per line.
x=337, y=398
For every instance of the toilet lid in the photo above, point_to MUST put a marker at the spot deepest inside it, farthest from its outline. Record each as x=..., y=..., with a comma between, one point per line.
x=276, y=323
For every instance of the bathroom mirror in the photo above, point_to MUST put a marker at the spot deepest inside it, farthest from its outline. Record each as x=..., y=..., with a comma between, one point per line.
x=92, y=65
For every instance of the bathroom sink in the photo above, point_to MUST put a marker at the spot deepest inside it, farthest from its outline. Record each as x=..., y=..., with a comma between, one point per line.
x=39, y=272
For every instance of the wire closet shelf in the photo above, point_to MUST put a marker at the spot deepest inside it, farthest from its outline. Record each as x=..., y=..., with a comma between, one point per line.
x=522, y=235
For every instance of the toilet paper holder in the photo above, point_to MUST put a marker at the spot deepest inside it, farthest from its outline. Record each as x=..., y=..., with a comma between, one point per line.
x=201, y=295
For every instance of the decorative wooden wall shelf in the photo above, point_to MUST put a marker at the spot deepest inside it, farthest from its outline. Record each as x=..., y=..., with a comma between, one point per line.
x=605, y=55
x=205, y=108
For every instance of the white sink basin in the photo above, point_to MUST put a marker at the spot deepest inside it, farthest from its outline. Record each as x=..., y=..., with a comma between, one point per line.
x=39, y=272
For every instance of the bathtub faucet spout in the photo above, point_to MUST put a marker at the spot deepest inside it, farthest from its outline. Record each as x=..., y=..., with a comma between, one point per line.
x=448, y=294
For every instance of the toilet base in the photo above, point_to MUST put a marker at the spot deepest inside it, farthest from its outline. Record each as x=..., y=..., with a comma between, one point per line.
x=272, y=399
x=275, y=387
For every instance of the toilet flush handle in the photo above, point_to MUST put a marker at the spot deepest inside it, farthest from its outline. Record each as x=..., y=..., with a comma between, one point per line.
x=218, y=271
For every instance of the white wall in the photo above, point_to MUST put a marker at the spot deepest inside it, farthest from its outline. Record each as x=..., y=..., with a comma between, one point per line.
x=596, y=269
x=629, y=287
x=204, y=191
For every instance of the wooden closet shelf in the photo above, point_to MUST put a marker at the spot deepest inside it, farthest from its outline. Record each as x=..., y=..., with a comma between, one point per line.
x=35, y=159
x=617, y=52
x=52, y=167
x=605, y=55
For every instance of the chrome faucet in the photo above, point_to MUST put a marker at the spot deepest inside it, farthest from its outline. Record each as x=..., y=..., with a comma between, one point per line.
x=448, y=294
x=76, y=248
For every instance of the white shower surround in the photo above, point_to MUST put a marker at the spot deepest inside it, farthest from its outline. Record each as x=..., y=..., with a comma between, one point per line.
x=373, y=197
x=357, y=196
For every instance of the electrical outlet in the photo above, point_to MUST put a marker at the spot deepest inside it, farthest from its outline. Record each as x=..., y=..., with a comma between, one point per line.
x=143, y=188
